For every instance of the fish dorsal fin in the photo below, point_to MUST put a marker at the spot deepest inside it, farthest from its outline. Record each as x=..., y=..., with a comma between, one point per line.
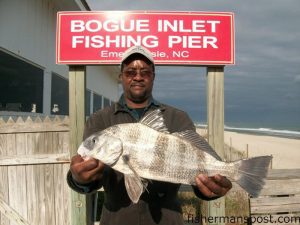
x=198, y=141
x=155, y=120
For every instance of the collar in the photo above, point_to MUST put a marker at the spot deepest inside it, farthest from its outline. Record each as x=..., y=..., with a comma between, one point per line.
x=121, y=105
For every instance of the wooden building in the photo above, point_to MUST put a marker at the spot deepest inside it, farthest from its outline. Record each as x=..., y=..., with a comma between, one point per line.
x=34, y=137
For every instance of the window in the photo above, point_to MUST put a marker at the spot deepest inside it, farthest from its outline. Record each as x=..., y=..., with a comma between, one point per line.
x=97, y=102
x=106, y=102
x=21, y=85
x=87, y=102
x=59, y=95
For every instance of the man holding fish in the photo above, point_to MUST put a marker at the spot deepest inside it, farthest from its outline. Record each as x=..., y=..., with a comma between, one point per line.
x=140, y=151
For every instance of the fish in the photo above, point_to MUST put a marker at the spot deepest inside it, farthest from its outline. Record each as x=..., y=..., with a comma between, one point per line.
x=146, y=150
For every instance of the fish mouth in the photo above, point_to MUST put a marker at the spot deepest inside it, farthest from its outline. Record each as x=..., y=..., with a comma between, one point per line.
x=83, y=151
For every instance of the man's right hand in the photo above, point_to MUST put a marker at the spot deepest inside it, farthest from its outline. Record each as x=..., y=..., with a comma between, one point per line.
x=86, y=171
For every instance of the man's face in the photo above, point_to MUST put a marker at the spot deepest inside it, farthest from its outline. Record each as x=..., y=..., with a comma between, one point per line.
x=137, y=79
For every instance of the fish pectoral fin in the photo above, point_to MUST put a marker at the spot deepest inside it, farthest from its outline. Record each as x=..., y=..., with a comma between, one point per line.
x=126, y=160
x=134, y=184
x=134, y=187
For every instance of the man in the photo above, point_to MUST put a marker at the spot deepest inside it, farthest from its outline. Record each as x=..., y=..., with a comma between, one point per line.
x=159, y=204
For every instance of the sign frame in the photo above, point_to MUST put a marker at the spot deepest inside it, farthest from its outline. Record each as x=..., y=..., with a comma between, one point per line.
x=230, y=50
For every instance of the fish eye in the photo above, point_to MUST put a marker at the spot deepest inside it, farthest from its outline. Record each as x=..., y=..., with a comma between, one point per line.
x=94, y=139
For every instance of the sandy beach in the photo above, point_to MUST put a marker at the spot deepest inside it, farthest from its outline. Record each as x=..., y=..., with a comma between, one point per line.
x=285, y=151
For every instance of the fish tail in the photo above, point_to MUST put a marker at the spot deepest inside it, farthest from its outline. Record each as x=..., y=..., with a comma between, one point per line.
x=252, y=173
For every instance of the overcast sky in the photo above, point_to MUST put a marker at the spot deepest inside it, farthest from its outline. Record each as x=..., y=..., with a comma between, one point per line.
x=263, y=88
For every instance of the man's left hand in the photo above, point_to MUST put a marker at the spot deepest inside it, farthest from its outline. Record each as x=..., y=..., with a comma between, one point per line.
x=215, y=186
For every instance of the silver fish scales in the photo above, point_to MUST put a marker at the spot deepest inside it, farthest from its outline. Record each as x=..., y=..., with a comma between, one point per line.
x=147, y=151
x=161, y=156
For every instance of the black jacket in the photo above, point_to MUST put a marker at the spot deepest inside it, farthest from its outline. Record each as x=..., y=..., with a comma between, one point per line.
x=157, y=206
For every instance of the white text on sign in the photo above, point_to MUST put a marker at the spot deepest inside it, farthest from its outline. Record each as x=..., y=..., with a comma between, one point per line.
x=140, y=26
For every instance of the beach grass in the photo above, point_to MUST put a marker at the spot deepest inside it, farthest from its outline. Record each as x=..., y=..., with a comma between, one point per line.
x=236, y=207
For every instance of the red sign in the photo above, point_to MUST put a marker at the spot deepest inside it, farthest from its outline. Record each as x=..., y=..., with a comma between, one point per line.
x=183, y=38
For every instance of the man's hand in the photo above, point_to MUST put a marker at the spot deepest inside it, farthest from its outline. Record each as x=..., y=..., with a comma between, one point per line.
x=86, y=171
x=215, y=186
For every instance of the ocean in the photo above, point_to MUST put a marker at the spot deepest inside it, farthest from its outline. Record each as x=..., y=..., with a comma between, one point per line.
x=259, y=131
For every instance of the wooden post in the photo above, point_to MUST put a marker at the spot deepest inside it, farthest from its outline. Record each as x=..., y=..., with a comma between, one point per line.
x=77, y=88
x=215, y=128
